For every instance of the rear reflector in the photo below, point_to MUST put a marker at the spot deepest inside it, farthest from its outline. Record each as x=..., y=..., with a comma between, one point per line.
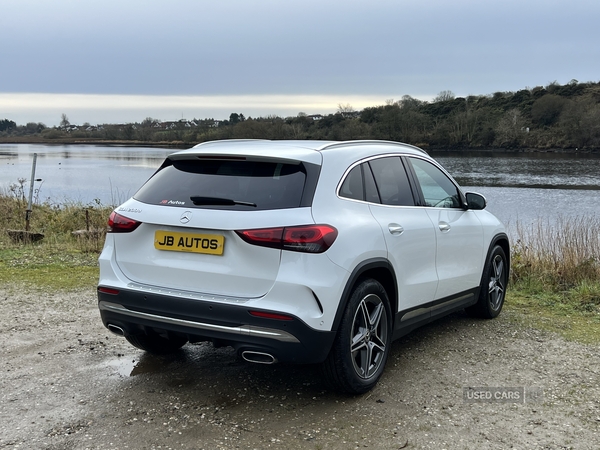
x=106, y=290
x=121, y=224
x=268, y=315
x=305, y=238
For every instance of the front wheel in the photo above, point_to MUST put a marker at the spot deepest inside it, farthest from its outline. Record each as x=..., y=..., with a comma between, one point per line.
x=362, y=344
x=493, y=286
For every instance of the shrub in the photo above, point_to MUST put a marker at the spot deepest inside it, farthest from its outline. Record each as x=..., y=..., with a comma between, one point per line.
x=560, y=254
x=57, y=222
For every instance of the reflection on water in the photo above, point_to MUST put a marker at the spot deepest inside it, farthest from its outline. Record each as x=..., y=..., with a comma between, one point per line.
x=81, y=173
x=533, y=170
x=526, y=187
x=527, y=205
x=147, y=363
x=190, y=359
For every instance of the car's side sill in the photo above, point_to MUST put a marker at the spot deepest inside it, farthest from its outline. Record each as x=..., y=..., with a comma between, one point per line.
x=410, y=319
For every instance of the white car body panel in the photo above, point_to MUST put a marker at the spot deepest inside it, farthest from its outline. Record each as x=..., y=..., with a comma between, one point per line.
x=242, y=271
x=435, y=256
x=411, y=251
x=460, y=249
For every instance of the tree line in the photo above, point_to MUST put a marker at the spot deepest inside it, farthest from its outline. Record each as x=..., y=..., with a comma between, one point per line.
x=545, y=117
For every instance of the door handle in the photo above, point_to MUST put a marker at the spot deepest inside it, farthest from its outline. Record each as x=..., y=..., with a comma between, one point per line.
x=395, y=229
x=444, y=227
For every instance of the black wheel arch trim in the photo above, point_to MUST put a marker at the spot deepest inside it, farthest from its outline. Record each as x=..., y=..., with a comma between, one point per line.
x=357, y=273
x=502, y=240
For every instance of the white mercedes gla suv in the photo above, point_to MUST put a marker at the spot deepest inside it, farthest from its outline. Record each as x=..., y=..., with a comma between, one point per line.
x=299, y=252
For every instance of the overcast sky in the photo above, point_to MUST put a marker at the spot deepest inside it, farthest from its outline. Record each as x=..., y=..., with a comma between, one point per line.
x=115, y=61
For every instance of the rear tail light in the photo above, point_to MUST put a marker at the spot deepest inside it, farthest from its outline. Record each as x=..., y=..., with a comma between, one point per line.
x=305, y=238
x=121, y=224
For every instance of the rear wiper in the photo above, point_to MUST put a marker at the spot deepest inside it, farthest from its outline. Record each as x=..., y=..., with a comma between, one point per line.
x=218, y=201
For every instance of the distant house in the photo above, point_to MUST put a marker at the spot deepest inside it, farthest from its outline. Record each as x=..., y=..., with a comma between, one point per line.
x=351, y=114
x=177, y=124
x=316, y=117
x=169, y=125
x=70, y=128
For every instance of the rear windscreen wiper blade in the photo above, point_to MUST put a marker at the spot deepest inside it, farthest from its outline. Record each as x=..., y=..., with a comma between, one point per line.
x=218, y=201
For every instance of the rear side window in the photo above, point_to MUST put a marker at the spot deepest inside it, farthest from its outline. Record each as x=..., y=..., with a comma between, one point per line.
x=392, y=182
x=224, y=184
x=353, y=185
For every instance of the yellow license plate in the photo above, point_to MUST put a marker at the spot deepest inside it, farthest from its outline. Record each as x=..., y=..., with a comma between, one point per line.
x=211, y=244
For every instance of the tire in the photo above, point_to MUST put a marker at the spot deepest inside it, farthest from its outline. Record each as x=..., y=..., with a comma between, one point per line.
x=360, y=349
x=157, y=344
x=493, y=286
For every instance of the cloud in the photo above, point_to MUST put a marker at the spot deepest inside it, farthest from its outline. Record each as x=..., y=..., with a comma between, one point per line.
x=96, y=108
x=234, y=49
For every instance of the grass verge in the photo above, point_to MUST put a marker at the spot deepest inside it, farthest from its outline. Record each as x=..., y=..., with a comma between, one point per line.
x=67, y=256
x=555, y=278
x=48, y=268
x=550, y=312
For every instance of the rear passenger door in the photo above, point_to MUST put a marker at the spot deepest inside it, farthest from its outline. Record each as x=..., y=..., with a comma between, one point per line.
x=407, y=229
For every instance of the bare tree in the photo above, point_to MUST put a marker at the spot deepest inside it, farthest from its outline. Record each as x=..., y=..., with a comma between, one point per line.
x=344, y=109
x=64, y=120
x=444, y=96
x=510, y=129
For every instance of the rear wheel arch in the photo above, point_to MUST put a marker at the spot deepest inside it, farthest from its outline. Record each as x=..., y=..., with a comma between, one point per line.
x=378, y=269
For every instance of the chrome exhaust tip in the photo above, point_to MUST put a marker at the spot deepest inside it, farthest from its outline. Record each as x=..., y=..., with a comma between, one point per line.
x=258, y=357
x=115, y=329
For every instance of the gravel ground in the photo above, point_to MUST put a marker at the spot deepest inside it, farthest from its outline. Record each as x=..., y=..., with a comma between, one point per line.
x=67, y=383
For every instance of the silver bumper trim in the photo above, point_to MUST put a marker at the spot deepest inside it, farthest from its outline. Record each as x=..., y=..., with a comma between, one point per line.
x=186, y=294
x=244, y=330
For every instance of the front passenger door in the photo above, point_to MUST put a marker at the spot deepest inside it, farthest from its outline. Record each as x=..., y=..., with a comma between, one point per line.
x=458, y=232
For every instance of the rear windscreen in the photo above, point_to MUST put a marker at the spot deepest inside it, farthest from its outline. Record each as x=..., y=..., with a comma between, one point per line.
x=223, y=184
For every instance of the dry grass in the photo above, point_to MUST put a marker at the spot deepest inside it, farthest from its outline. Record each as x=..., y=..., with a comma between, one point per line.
x=564, y=252
x=57, y=222
x=62, y=260
x=556, y=266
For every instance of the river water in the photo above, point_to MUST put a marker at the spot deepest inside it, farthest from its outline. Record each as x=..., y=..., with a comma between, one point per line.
x=526, y=187
x=520, y=187
x=84, y=174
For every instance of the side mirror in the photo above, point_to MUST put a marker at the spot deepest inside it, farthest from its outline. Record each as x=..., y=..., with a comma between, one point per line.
x=475, y=201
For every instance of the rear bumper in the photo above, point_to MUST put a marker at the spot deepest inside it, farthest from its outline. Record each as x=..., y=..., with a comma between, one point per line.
x=287, y=340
